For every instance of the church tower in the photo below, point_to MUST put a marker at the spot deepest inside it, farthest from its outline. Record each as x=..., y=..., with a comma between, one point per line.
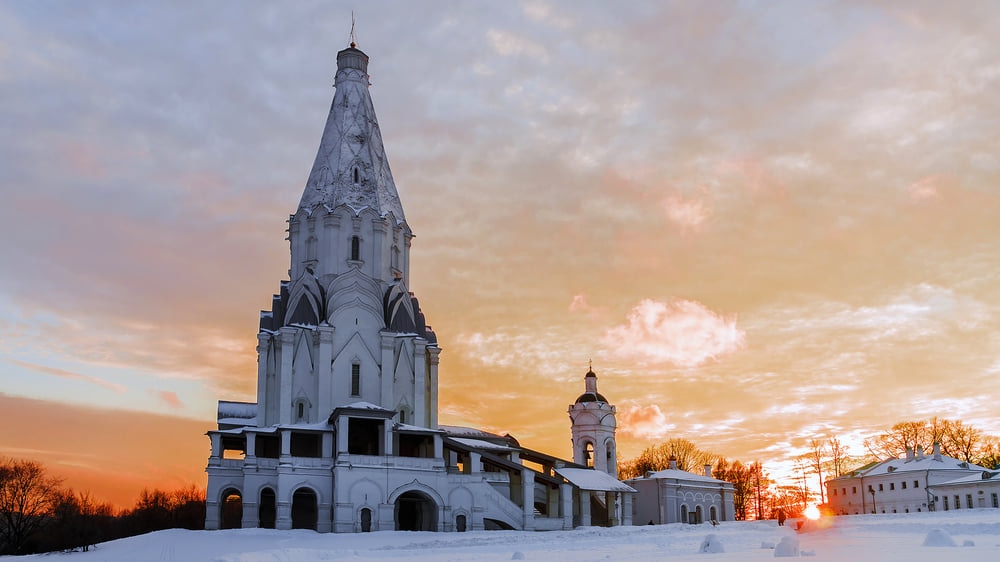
x=345, y=328
x=592, y=421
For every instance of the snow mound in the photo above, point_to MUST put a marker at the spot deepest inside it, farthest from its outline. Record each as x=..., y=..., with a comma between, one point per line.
x=517, y=556
x=938, y=537
x=711, y=544
x=967, y=542
x=789, y=546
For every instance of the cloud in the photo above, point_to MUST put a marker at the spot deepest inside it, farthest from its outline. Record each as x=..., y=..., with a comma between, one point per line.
x=579, y=303
x=506, y=43
x=687, y=213
x=63, y=373
x=643, y=422
x=924, y=189
x=681, y=332
x=169, y=398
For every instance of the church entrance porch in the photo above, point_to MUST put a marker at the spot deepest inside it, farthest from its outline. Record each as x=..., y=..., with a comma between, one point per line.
x=304, y=509
x=415, y=511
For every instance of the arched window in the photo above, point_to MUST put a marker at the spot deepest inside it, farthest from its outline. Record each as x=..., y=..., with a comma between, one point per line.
x=684, y=514
x=355, y=248
x=588, y=454
x=713, y=514
x=355, y=380
x=356, y=175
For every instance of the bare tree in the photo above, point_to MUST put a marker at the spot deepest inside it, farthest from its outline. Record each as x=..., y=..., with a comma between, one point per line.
x=838, y=457
x=815, y=458
x=960, y=441
x=902, y=436
x=27, y=498
x=686, y=454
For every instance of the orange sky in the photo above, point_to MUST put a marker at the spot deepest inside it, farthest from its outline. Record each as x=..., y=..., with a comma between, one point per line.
x=763, y=222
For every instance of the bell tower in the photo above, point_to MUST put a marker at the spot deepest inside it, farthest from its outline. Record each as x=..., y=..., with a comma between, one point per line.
x=593, y=423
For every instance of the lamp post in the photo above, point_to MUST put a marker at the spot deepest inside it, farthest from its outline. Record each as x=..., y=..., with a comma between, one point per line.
x=872, y=492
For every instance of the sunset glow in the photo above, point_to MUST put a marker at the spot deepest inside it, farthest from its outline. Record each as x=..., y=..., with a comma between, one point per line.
x=763, y=224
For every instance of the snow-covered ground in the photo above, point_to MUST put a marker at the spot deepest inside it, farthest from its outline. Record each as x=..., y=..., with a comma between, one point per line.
x=855, y=538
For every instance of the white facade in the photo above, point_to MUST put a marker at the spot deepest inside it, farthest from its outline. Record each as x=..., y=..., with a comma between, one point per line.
x=678, y=496
x=593, y=425
x=344, y=435
x=916, y=483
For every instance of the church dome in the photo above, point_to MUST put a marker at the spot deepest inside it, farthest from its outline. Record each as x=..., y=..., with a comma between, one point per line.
x=591, y=394
x=591, y=397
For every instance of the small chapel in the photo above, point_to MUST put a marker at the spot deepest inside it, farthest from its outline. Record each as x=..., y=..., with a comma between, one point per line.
x=344, y=435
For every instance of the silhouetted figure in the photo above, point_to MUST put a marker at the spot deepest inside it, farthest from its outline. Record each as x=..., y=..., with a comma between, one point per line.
x=781, y=517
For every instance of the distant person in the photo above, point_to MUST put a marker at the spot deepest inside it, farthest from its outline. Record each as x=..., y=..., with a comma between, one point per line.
x=781, y=517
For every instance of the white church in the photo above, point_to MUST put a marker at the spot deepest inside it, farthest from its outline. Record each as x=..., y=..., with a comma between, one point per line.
x=344, y=436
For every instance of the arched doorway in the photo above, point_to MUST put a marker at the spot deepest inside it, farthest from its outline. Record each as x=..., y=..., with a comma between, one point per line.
x=684, y=514
x=460, y=523
x=232, y=509
x=366, y=520
x=304, y=509
x=267, y=512
x=415, y=511
x=713, y=514
x=697, y=515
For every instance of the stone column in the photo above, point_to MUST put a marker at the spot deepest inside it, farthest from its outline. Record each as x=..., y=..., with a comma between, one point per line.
x=341, y=423
x=285, y=375
x=566, y=502
x=626, y=509
x=284, y=513
x=611, y=501
x=420, y=383
x=475, y=463
x=584, y=508
x=327, y=445
x=263, y=344
x=324, y=372
x=528, y=498
x=285, y=436
x=434, y=354
x=251, y=514
x=387, y=399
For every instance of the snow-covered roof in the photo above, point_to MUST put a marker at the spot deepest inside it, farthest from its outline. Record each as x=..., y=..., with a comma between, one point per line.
x=593, y=480
x=362, y=405
x=480, y=444
x=992, y=476
x=679, y=474
x=242, y=410
x=407, y=428
x=914, y=464
x=458, y=430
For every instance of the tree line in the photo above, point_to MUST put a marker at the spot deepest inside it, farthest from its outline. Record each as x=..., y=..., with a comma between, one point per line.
x=37, y=514
x=757, y=496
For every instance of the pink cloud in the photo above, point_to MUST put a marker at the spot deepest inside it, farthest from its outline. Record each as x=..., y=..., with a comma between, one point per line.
x=645, y=422
x=67, y=374
x=681, y=332
x=169, y=398
x=686, y=213
x=924, y=189
x=579, y=303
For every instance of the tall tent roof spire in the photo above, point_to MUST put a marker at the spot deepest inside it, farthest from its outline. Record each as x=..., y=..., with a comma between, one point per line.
x=351, y=166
